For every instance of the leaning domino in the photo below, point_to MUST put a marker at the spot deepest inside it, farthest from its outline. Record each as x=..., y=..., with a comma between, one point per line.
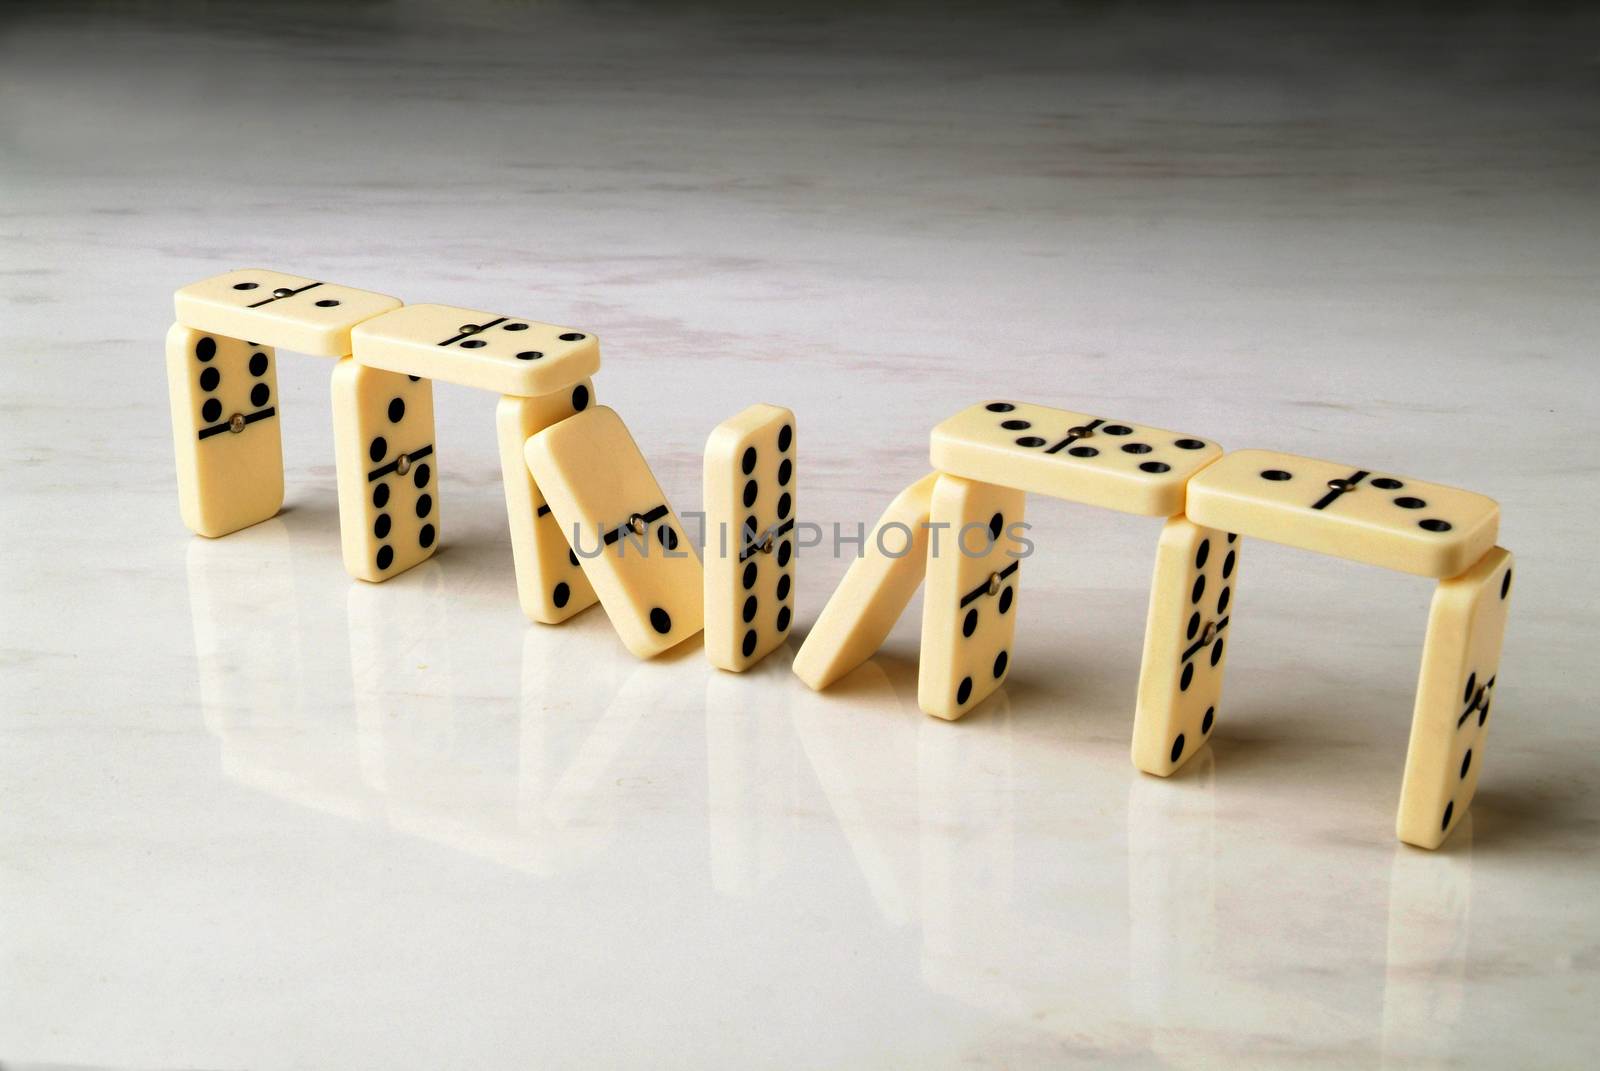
x=1185, y=644
x=1455, y=691
x=619, y=521
x=874, y=592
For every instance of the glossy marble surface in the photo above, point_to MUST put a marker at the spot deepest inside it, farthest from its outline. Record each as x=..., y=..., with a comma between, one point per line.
x=253, y=814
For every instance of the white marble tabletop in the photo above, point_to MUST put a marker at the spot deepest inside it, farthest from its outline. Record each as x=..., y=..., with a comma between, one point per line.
x=253, y=814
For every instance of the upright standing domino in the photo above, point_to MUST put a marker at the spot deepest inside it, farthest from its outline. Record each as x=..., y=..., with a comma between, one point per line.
x=874, y=591
x=630, y=542
x=225, y=430
x=550, y=583
x=1460, y=662
x=969, y=610
x=386, y=462
x=749, y=495
x=1185, y=644
x=222, y=379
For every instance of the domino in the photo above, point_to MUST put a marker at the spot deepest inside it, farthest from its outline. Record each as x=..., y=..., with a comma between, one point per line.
x=503, y=354
x=551, y=586
x=1455, y=692
x=1347, y=512
x=619, y=521
x=286, y=311
x=1185, y=644
x=384, y=455
x=969, y=610
x=749, y=495
x=874, y=591
x=1112, y=464
x=225, y=431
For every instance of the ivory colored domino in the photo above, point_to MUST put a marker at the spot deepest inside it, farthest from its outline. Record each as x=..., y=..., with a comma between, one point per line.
x=1347, y=512
x=225, y=433
x=1455, y=691
x=551, y=586
x=1113, y=464
x=969, y=610
x=384, y=454
x=471, y=348
x=288, y=311
x=874, y=591
x=749, y=496
x=627, y=537
x=1185, y=644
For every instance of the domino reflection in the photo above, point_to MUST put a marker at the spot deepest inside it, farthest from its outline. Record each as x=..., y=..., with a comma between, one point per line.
x=930, y=813
x=517, y=774
x=1172, y=905
x=446, y=769
x=507, y=775
x=574, y=792
x=1197, y=919
x=1425, y=960
x=248, y=622
x=967, y=859
x=872, y=790
x=398, y=652
x=982, y=943
x=751, y=754
x=1015, y=925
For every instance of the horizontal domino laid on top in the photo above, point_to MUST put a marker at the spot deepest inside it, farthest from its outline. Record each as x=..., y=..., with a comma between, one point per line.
x=275, y=309
x=472, y=348
x=1393, y=521
x=1113, y=464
